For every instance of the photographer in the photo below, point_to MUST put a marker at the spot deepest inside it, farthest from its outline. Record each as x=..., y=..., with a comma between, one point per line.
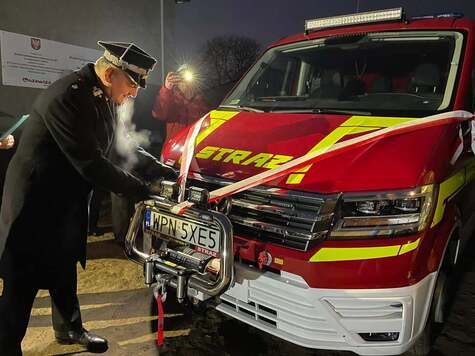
x=179, y=102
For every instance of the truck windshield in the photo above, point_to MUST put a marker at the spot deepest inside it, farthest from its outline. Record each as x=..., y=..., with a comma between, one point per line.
x=393, y=73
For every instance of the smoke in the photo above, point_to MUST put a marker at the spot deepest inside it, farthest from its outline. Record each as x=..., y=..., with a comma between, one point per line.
x=127, y=137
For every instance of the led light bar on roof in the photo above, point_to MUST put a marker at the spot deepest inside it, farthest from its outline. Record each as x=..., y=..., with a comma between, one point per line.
x=355, y=19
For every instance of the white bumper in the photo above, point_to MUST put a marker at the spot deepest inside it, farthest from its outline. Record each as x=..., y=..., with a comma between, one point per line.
x=285, y=306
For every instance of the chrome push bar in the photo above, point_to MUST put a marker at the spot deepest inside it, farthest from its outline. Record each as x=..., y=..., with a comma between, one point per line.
x=188, y=279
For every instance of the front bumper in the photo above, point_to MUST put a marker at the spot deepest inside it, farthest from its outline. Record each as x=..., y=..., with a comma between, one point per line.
x=285, y=306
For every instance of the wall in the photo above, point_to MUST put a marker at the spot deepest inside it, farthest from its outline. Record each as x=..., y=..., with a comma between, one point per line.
x=82, y=23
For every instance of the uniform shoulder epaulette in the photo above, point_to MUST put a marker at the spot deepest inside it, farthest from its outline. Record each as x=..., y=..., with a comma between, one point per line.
x=97, y=92
x=77, y=83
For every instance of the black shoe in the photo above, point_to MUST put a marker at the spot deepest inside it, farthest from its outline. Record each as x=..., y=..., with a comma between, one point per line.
x=93, y=342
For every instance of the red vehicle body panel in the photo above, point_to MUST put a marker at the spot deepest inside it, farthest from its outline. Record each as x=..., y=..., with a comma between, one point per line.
x=400, y=162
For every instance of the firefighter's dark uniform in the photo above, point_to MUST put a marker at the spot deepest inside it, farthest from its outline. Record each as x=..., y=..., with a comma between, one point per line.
x=43, y=220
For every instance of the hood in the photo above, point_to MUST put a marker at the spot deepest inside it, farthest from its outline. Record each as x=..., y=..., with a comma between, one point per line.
x=237, y=145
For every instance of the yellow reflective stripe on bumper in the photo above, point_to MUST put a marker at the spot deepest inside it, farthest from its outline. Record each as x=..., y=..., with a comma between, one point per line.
x=217, y=118
x=335, y=254
x=409, y=247
x=332, y=254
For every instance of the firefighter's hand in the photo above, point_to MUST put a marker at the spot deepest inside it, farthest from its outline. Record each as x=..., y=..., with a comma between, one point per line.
x=7, y=143
x=169, y=173
x=154, y=187
x=172, y=80
x=160, y=170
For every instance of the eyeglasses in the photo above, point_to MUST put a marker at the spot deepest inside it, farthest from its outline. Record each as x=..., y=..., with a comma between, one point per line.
x=130, y=82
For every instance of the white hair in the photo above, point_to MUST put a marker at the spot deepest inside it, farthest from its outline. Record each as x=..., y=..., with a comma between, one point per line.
x=102, y=65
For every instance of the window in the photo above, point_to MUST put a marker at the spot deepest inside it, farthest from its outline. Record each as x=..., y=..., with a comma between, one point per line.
x=392, y=72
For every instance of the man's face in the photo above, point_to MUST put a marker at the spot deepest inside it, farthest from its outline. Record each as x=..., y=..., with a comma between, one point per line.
x=122, y=87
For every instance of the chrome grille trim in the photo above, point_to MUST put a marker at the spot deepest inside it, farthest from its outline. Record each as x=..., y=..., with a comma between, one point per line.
x=289, y=218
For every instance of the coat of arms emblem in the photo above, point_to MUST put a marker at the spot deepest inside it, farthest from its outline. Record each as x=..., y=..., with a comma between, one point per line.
x=35, y=43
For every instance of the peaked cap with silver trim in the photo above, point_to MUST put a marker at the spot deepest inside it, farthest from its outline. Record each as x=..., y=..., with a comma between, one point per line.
x=134, y=61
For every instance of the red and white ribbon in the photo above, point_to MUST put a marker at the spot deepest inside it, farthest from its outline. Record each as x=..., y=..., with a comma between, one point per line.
x=187, y=156
x=160, y=320
x=318, y=155
x=472, y=127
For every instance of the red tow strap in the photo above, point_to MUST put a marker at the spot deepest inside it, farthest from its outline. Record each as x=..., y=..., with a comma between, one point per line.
x=160, y=320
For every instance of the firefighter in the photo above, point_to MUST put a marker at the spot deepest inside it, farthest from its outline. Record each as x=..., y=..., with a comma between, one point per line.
x=179, y=102
x=43, y=220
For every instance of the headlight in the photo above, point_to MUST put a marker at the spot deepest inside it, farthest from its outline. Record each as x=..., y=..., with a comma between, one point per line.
x=384, y=213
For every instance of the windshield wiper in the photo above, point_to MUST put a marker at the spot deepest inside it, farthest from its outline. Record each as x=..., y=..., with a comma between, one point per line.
x=282, y=98
x=290, y=110
x=321, y=111
x=240, y=108
x=342, y=111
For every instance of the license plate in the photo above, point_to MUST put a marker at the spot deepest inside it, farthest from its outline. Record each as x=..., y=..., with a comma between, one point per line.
x=184, y=230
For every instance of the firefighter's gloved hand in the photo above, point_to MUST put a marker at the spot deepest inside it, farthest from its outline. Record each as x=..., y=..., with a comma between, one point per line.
x=160, y=170
x=154, y=187
x=169, y=172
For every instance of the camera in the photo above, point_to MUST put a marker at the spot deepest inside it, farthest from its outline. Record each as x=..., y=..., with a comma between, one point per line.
x=185, y=73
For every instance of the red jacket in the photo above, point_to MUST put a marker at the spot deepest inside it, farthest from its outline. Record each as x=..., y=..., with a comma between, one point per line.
x=177, y=111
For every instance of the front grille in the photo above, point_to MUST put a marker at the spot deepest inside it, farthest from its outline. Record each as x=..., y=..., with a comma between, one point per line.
x=258, y=312
x=289, y=218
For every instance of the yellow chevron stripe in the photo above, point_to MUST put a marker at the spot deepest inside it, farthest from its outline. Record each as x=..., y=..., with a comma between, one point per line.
x=411, y=246
x=296, y=178
x=376, y=121
x=354, y=125
x=446, y=190
x=334, y=136
x=217, y=118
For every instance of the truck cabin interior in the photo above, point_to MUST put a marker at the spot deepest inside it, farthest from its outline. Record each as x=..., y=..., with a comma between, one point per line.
x=375, y=72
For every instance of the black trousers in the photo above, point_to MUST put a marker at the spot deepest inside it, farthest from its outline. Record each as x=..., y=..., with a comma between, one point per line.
x=21, y=283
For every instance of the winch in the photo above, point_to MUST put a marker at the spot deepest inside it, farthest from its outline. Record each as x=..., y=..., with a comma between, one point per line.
x=191, y=252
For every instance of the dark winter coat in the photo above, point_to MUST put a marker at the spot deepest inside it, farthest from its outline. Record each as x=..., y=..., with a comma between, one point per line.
x=61, y=156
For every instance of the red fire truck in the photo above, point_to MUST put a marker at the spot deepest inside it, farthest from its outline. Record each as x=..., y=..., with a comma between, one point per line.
x=359, y=251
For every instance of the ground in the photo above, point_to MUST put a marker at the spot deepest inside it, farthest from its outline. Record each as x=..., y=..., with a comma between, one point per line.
x=115, y=304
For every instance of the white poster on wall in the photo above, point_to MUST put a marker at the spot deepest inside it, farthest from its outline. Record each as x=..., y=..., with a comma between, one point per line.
x=36, y=63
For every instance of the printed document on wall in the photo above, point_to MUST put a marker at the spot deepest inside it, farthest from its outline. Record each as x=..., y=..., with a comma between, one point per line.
x=36, y=62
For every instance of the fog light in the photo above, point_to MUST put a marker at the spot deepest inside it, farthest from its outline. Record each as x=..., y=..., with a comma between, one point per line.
x=380, y=337
x=169, y=190
x=198, y=195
